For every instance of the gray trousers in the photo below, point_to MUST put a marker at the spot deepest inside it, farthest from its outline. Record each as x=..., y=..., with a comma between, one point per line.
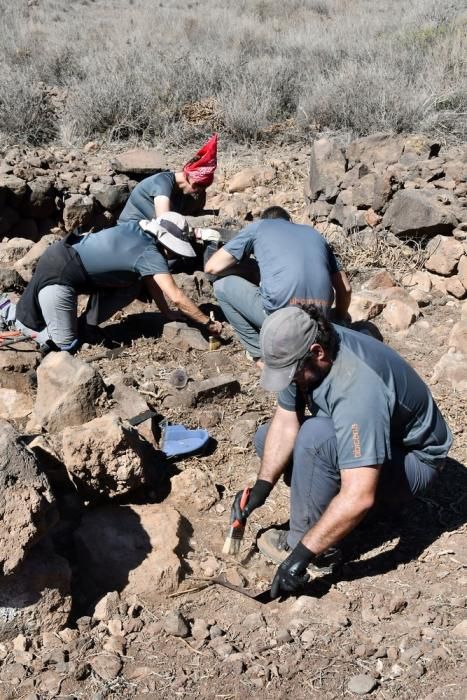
x=316, y=476
x=242, y=305
x=59, y=306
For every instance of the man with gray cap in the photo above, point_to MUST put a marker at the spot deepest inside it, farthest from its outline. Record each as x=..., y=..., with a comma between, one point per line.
x=375, y=436
x=114, y=266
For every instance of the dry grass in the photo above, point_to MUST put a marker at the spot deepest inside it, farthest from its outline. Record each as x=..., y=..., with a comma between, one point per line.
x=134, y=69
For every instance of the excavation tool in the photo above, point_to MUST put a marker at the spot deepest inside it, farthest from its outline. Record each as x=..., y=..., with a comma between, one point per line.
x=264, y=597
x=8, y=338
x=237, y=528
x=214, y=343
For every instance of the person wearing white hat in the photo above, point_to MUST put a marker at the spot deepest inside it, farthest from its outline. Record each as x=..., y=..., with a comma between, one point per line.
x=114, y=266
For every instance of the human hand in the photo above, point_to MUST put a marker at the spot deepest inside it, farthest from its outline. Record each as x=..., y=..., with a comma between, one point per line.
x=214, y=327
x=257, y=498
x=292, y=576
x=208, y=234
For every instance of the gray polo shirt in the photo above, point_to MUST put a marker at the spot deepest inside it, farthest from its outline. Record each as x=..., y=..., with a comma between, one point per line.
x=376, y=400
x=140, y=204
x=295, y=262
x=121, y=255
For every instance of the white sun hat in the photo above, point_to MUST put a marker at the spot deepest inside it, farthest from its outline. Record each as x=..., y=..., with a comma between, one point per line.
x=172, y=231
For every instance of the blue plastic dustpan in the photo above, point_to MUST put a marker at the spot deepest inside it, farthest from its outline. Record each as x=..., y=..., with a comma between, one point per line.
x=178, y=440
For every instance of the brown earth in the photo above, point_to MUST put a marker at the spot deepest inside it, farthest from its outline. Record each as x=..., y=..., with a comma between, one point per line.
x=395, y=614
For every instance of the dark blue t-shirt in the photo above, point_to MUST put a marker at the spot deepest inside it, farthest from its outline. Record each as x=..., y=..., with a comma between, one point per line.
x=140, y=204
x=376, y=400
x=295, y=262
x=119, y=256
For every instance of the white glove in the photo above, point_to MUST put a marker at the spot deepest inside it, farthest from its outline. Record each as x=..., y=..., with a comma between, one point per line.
x=209, y=234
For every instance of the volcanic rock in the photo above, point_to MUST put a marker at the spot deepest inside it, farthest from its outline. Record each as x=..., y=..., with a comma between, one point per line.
x=67, y=391
x=130, y=549
x=36, y=597
x=104, y=457
x=193, y=486
x=418, y=213
x=139, y=162
x=327, y=169
x=27, y=506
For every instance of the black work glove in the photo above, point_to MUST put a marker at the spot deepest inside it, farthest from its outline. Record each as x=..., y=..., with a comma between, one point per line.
x=257, y=498
x=291, y=575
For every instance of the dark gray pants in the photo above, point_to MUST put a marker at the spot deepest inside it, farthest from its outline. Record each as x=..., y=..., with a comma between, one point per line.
x=316, y=475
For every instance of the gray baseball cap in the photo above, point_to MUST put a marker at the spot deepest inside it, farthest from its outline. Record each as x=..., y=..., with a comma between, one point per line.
x=285, y=338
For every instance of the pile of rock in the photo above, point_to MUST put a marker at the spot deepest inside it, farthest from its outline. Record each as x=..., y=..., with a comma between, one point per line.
x=400, y=188
x=50, y=188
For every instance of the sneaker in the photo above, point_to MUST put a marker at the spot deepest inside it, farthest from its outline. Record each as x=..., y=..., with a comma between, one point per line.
x=274, y=546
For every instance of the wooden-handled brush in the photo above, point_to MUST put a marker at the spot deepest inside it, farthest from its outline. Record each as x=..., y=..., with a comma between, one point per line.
x=237, y=528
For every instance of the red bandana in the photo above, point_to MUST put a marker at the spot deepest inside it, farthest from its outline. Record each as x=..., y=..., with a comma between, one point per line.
x=202, y=166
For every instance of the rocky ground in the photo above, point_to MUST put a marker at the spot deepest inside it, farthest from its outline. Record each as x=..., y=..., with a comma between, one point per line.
x=106, y=545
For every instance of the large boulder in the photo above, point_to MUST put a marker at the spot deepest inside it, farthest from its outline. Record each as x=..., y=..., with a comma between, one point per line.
x=375, y=151
x=139, y=162
x=419, y=213
x=10, y=280
x=67, y=391
x=36, y=597
x=444, y=253
x=193, y=488
x=13, y=249
x=131, y=549
x=27, y=506
x=128, y=404
x=26, y=265
x=17, y=365
x=15, y=189
x=105, y=457
x=78, y=211
x=327, y=169
x=251, y=177
x=371, y=191
x=15, y=405
x=110, y=197
x=40, y=198
x=452, y=367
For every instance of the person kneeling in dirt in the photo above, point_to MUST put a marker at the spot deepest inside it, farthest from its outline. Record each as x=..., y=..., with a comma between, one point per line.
x=115, y=266
x=375, y=436
x=296, y=265
x=183, y=191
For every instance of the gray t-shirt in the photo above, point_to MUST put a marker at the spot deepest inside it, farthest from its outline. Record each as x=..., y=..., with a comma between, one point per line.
x=376, y=400
x=119, y=256
x=295, y=262
x=140, y=204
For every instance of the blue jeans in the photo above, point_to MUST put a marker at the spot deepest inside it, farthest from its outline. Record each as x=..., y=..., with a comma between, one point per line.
x=242, y=304
x=316, y=475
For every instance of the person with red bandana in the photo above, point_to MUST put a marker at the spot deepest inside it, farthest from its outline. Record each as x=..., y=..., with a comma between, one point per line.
x=183, y=192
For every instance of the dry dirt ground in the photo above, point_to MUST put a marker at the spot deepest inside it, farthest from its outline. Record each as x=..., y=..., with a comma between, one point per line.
x=389, y=614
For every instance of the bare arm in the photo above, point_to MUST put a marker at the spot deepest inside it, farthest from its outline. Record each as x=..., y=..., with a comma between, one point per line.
x=168, y=287
x=162, y=205
x=280, y=441
x=346, y=510
x=156, y=293
x=343, y=290
x=221, y=260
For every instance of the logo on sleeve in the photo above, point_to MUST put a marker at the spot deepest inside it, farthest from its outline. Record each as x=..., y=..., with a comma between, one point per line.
x=357, y=450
